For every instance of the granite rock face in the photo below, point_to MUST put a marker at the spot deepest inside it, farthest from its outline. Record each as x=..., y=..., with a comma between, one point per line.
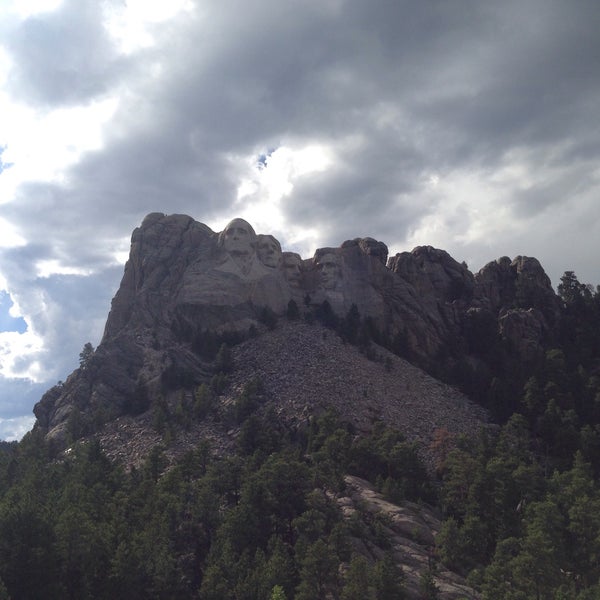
x=519, y=295
x=183, y=283
x=434, y=272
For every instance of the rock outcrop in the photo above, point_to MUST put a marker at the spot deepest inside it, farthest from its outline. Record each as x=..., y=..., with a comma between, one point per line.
x=519, y=294
x=411, y=530
x=185, y=286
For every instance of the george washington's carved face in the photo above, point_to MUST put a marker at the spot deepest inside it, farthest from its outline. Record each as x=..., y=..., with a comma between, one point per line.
x=268, y=250
x=238, y=237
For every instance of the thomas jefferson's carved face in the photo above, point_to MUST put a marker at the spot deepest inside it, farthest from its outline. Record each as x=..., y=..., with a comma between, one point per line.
x=330, y=270
x=268, y=250
x=238, y=237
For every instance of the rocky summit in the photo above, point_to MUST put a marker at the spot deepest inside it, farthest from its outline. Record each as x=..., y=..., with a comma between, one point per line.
x=186, y=289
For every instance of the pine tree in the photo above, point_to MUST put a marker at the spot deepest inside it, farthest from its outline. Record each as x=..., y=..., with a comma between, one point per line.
x=85, y=355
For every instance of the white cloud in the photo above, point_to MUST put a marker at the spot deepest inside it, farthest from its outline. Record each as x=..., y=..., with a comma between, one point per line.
x=270, y=181
x=12, y=430
x=29, y=8
x=9, y=236
x=41, y=145
x=20, y=354
x=47, y=268
x=132, y=24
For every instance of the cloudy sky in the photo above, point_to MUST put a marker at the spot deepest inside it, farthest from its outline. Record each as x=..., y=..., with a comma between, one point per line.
x=470, y=126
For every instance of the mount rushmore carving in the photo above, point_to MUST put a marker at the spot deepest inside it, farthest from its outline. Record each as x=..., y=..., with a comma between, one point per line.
x=181, y=272
x=182, y=281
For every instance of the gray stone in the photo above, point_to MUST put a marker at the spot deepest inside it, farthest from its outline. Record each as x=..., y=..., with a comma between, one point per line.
x=182, y=280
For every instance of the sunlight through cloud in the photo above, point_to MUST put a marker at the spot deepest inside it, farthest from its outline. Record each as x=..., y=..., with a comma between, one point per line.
x=47, y=268
x=17, y=354
x=41, y=145
x=271, y=181
x=28, y=8
x=130, y=25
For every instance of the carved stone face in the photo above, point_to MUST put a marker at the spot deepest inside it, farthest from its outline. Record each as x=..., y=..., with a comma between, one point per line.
x=238, y=237
x=329, y=267
x=268, y=250
x=292, y=268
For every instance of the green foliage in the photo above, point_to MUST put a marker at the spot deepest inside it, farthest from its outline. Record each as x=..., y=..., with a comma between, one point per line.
x=204, y=401
x=357, y=581
x=388, y=579
x=427, y=586
x=571, y=292
x=526, y=535
x=386, y=459
x=248, y=401
x=267, y=317
x=75, y=425
x=318, y=572
x=292, y=312
x=161, y=415
x=277, y=593
x=85, y=355
x=259, y=524
x=224, y=359
x=520, y=503
x=218, y=383
x=349, y=326
x=325, y=315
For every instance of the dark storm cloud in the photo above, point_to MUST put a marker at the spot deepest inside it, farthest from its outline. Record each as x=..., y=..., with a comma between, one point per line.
x=469, y=82
x=363, y=195
x=63, y=57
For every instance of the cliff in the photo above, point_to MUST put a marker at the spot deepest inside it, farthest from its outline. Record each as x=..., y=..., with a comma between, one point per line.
x=186, y=288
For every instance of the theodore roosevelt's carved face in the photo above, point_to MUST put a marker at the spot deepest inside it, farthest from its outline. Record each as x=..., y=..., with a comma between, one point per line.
x=238, y=237
x=268, y=250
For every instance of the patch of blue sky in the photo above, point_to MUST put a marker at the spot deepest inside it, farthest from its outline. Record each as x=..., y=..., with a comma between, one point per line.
x=7, y=321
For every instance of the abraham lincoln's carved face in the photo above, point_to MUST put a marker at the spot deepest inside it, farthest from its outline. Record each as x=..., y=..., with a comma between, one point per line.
x=329, y=266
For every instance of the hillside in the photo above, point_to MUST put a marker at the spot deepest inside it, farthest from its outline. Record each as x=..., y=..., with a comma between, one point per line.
x=258, y=425
x=186, y=290
x=306, y=370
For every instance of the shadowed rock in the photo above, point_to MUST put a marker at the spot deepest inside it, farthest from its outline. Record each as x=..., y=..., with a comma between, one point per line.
x=184, y=283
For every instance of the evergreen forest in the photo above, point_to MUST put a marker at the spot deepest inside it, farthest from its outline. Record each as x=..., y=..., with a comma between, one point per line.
x=519, y=502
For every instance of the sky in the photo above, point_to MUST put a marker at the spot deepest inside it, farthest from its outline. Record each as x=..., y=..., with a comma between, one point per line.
x=469, y=126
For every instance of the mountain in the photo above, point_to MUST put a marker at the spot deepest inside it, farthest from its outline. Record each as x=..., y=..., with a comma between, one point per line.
x=258, y=425
x=224, y=341
x=187, y=289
